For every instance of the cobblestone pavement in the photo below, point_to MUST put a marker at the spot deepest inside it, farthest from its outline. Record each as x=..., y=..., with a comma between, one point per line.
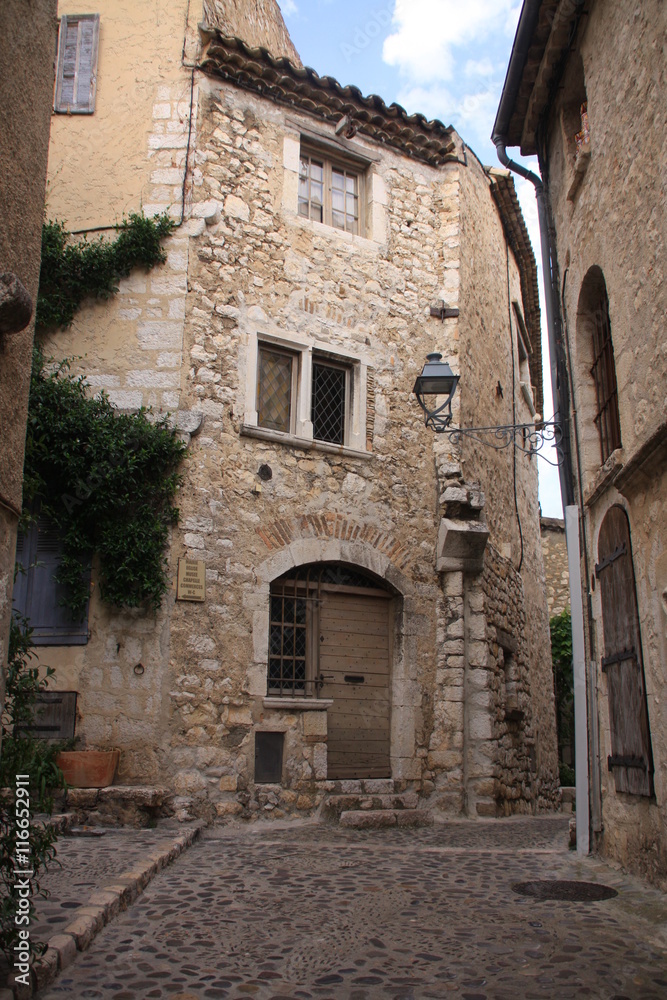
x=321, y=912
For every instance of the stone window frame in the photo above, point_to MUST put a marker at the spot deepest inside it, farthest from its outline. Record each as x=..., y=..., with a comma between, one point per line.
x=335, y=161
x=524, y=351
x=373, y=223
x=306, y=350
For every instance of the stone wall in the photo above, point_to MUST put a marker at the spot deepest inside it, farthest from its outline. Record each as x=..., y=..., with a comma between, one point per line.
x=492, y=394
x=609, y=210
x=246, y=269
x=26, y=93
x=554, y=553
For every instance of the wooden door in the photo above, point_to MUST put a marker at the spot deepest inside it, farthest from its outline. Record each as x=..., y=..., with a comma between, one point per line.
x=630, y=760
x=354, y=652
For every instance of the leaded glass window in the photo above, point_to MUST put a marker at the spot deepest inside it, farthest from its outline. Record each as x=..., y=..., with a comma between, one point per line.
x=328, y=403
x=275, y=378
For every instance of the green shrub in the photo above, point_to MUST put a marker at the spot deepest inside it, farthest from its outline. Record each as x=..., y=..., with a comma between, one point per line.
x=21, y=754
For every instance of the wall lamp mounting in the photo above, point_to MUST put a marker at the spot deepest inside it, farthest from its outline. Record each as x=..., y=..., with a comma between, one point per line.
x=438, y=380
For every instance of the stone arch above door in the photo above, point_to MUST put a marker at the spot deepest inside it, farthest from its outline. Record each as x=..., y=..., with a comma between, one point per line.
x=367, y=549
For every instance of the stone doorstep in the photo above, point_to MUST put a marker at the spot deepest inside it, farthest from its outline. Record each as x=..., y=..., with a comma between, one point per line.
x=139, y=795
x=103, y=906
x=375, y=819
x=334, y=805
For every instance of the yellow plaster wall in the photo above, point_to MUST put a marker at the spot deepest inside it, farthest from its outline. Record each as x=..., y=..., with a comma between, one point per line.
x=98, y=167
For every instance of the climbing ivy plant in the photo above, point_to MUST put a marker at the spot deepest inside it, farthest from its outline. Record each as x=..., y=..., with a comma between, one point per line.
x=107, y=480
x=74, y=270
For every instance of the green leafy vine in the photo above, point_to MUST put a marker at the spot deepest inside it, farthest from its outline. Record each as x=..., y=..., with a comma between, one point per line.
x=73, y=271
x=108, y=481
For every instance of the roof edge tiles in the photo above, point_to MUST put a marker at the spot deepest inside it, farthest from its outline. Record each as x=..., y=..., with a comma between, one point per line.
x=505, y=196
x=323, y=97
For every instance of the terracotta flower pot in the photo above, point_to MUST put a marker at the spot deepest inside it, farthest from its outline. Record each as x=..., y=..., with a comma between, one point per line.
x=89, y=768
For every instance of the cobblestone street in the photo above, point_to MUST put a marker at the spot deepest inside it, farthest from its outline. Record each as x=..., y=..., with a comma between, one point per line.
x=322, y=912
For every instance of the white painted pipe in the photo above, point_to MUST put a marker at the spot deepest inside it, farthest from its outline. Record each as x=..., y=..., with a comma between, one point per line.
x=579, y=667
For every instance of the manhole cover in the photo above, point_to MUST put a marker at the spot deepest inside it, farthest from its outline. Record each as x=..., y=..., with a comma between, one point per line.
x=578, y=892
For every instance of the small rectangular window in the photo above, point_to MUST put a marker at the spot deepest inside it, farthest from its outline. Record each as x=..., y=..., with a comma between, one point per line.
x=276, y=375
x=76, y=76
x=330, y=192
x=269, y=757
x=328, y=403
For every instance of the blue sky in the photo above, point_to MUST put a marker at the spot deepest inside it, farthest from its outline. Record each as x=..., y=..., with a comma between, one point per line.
x=444, y=58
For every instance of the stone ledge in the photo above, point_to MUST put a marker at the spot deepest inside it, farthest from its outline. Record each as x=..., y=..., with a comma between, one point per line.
x=303, y=444
x=299, y=704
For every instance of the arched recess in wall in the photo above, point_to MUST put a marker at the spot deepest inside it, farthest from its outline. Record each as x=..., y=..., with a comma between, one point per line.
x=595, y=374
x=630, y=760
x=351, y=606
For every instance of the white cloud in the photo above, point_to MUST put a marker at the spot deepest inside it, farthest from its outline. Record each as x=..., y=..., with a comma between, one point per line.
x=288, y=7
x=427, y=32
x=479, y=67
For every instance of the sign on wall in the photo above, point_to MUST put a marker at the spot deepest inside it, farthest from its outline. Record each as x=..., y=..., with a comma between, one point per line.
x=191, y=580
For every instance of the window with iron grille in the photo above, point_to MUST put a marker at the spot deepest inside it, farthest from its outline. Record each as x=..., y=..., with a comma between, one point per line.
x=330, y=192
x=603, y=371
x=288, y=641
x=328, y=403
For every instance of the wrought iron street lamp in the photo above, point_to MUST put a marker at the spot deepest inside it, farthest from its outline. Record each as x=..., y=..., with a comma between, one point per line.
x=438, y=379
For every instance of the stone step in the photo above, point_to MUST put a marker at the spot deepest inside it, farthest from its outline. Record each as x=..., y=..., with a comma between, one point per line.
x=369, y=786
x=334, y=805
x=118, y=805
x=375, y=819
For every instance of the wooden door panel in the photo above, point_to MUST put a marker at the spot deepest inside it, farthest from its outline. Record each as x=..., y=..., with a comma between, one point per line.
x=354, y=644
x=631, y=759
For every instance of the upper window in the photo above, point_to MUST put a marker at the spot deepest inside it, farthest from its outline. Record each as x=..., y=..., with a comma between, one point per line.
x=276, y=389
x=330, y=192
x=37, y=594
x=603, y=371
x=76, y=76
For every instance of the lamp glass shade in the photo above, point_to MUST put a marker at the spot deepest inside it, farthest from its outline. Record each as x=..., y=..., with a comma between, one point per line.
x=436, y=379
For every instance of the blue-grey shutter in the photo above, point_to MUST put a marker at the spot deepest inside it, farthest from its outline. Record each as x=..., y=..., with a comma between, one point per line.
x=40, y=600
x=76, y=79
x=20, y=599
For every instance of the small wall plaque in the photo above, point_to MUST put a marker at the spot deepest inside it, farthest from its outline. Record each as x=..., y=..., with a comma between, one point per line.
x=191, y=581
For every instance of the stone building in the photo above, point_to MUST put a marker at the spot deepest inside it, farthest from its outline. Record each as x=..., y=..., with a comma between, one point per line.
x=370, y=620
x=554, y=554
x=597, y=124
x=26, y=87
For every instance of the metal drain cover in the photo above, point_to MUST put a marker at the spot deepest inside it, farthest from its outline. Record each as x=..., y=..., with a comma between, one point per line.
x=577, y=892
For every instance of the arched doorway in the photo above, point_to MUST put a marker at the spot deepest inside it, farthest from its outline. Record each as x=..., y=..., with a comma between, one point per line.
x=630, y=760
x=330, y=637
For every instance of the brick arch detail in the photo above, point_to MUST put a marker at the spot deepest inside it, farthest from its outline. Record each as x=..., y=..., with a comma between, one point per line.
x=326, y=527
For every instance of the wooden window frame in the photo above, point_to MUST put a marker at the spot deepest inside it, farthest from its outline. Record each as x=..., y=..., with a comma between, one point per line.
x=59, y=105
x=350, y=167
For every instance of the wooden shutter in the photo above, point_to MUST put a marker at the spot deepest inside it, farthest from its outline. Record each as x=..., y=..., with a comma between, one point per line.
x=38, y=596
x=76, y=78
x=630, y=760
